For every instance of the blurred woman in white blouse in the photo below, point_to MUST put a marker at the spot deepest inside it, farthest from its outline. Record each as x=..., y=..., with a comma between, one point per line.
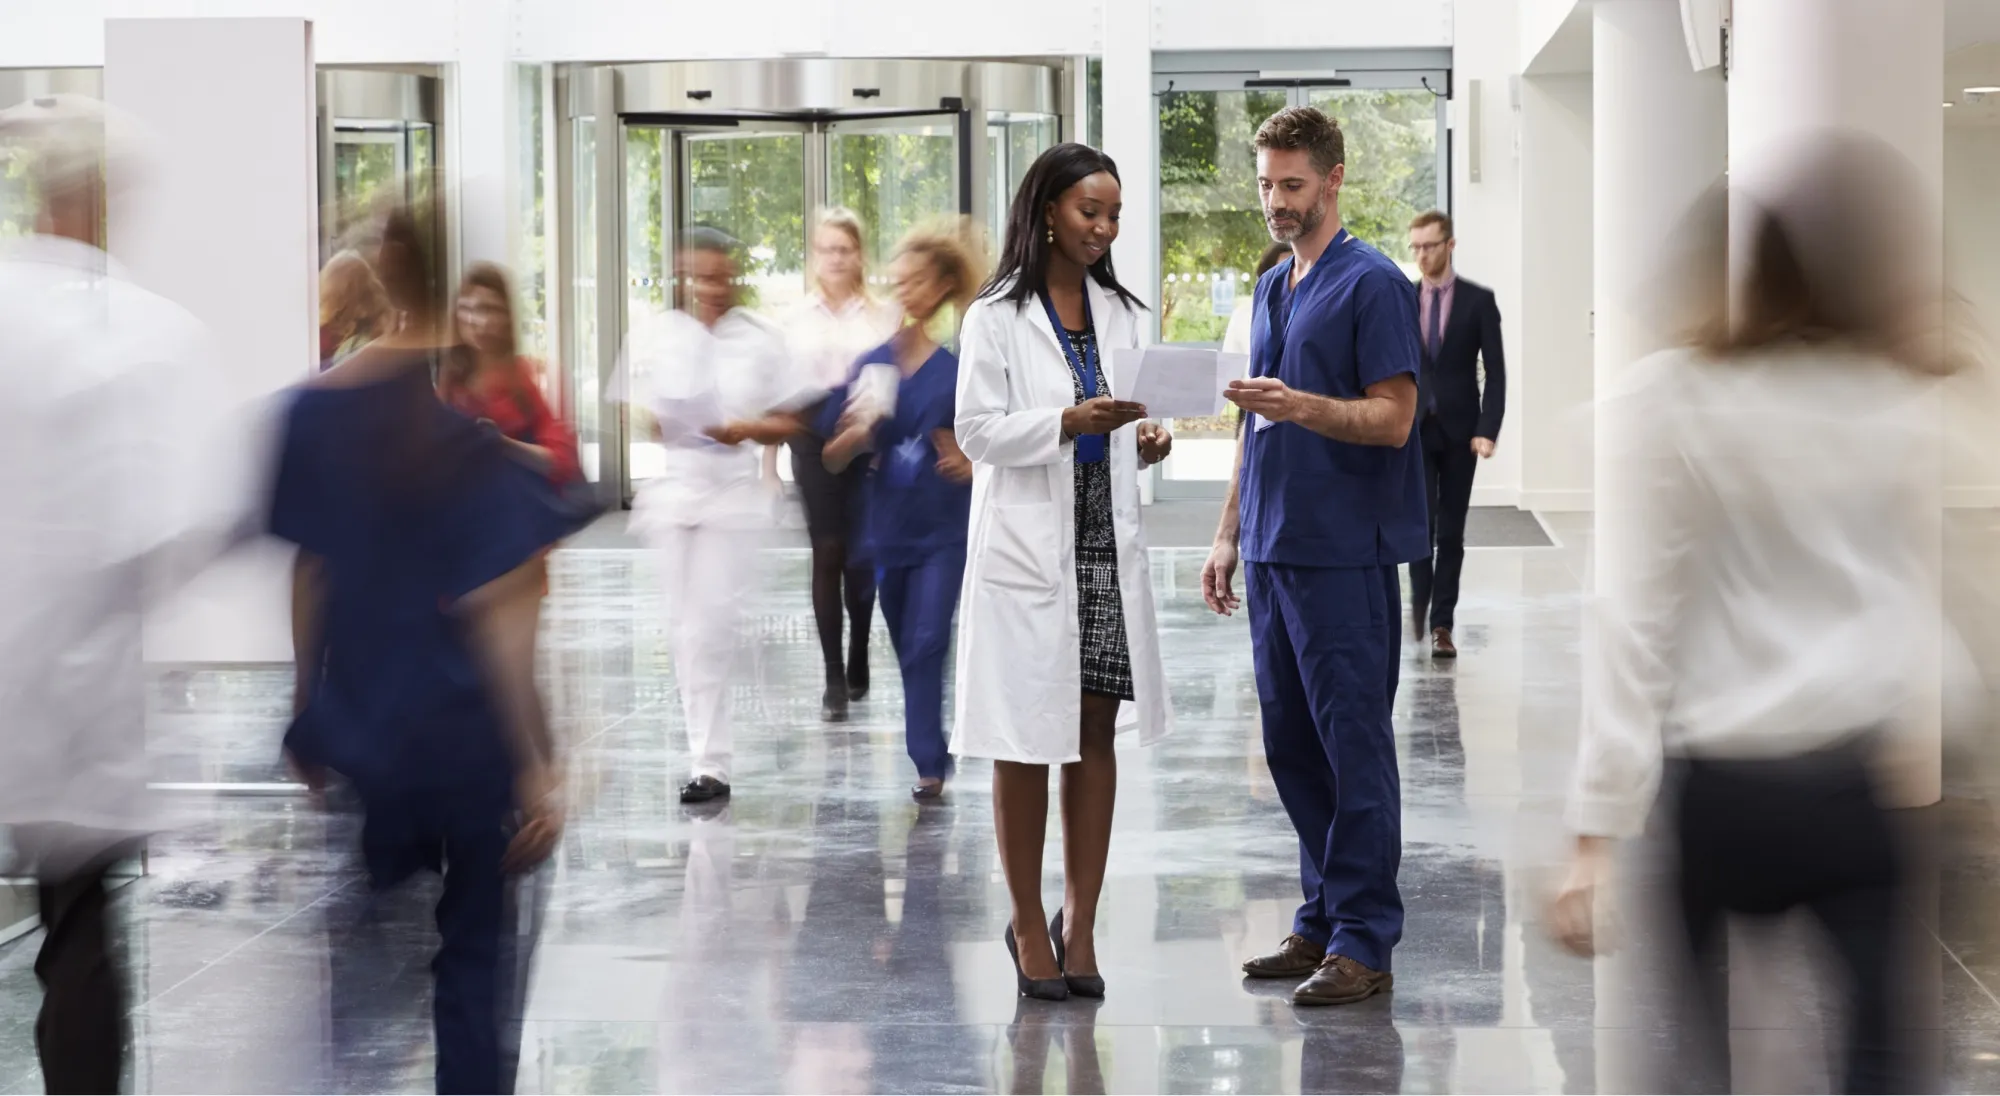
x=1763, y=633
x=836, y=323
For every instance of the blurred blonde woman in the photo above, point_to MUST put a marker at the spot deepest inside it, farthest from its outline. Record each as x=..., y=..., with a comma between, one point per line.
x=1765, y=604
x=836, y=323
x=892, y=422
x=352, y=307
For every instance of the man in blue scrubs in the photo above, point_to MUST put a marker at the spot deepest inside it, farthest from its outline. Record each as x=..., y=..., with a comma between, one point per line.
x=1327, y=502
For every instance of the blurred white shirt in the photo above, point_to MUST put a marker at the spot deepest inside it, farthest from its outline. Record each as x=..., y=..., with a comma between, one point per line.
x=1767, y=566
x=110, y=431
x=829, y=340
x=690, y=378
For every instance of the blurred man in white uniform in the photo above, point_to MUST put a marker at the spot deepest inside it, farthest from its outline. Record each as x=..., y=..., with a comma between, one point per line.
x=108, y=504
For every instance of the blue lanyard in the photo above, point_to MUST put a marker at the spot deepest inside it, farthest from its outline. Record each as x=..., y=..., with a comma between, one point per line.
x=1090, y=448
x=1285, y=302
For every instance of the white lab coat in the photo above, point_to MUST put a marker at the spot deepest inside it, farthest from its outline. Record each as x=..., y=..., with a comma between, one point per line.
x=1019, y=674
x=110, y=439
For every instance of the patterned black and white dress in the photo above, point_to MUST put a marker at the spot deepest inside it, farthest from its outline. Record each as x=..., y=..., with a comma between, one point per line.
x=1100, y=610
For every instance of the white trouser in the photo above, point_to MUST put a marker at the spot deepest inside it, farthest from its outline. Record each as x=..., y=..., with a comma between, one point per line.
x=708, y=572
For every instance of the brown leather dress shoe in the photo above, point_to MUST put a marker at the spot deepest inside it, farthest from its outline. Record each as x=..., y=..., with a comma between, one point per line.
x=1295, y=958
x=1342, y=981
x=1441, y=644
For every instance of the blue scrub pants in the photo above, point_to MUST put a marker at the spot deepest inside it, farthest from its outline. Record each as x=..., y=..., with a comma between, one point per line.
x=918, y=602
x=1325, y=642
x=477, y=971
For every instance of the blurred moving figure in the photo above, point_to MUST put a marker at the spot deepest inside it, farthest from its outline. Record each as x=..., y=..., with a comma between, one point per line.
x=1058, y=629
x=485, y=377
x=112, y=504
x=1766, y=610
x=718, y=384
x=895, y=412
x=352, y=308
x=836, y=323
x=1236, y=337
x=414, y=607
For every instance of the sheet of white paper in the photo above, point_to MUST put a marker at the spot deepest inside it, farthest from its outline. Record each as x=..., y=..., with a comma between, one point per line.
x=682, y=421
x=873, y=395
x=1174, y=382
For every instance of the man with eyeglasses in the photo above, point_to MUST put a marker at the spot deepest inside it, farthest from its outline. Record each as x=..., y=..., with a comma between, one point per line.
x=1458, y=326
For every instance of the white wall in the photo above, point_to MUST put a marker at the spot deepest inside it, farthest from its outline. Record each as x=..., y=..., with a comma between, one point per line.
x=627, y=30
x=1279, y=25
x=1554, y=333
x=70, y=33
x=1487, y=215
x=1538, y=22
x=238, y=249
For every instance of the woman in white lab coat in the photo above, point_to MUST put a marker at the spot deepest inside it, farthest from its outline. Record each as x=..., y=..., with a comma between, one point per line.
x=1056, y=626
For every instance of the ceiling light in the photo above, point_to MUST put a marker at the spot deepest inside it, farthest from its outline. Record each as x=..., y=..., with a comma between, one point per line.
x=1987, y=89
x=1948, y=102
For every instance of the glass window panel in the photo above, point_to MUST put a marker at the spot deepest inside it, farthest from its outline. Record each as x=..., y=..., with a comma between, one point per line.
x=895, y=178
x=1392, y=163
x=1211, y=225
x=583, y=371
x=531, y=243
x=752, y=186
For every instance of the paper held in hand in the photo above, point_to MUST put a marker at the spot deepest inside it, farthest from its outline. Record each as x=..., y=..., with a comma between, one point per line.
x=1176, y=382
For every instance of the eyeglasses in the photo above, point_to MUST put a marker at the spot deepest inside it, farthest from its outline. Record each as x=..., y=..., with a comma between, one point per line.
x=1426, y=248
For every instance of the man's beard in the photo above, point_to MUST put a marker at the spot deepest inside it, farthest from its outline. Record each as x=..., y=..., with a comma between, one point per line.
x=1302, y=224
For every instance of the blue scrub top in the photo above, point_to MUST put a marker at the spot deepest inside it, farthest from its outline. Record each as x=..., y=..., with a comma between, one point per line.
x=912, y=512
x=1305, y=500
x=409, y=507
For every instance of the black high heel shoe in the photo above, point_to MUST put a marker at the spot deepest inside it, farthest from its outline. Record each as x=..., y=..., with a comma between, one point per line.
x=1082, y=985
x=1043, y=989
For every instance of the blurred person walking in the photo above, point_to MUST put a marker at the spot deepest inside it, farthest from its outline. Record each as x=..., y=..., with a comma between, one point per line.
x=718, y=384
x=836, y=323
x=917, y=485
x=416, y=593
x=1458, y=326
x=484, y=377
x=1326, y=502
x=1765, y=603
x=352, y=308
x=1058, y=643
x=114, y=500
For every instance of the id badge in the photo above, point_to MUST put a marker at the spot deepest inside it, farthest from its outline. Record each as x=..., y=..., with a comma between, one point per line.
x=1259, y=423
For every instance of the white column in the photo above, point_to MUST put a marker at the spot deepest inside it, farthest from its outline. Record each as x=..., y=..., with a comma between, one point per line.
x=1130, y=137
x=1801, y=68
x=480, y=99
x=225, y=222
x=1657, y=143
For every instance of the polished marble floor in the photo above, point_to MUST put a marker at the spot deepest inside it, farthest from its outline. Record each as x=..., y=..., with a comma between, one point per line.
x=823, y=934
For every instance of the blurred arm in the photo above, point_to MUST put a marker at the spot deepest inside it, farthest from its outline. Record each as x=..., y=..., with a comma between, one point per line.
x=308, y=602
x=1644, y=528
x=1493, y=401
x=503, y=615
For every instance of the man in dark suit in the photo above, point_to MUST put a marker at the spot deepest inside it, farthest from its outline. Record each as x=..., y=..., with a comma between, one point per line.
x=1458, y=326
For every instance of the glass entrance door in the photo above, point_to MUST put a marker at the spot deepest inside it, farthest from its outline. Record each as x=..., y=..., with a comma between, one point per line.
x=1212, y=231
x=759, y=181
x=748, y=181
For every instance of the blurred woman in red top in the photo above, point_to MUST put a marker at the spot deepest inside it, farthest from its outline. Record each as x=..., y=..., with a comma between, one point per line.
x=484, y=376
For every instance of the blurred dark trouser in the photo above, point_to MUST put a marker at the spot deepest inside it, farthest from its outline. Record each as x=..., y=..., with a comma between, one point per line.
x=1762, y=837
x=80, y=1034
x=477, y=987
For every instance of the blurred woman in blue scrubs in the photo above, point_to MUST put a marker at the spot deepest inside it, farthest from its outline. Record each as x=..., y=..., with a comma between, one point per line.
x=918, y=488
x=414, y=604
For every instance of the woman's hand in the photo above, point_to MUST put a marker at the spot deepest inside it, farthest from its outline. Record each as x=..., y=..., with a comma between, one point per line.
x=1574, y=914
x=1101, y=415
x=1155, y=442
x=729, y=433
x=538, y=796
x=954, y=467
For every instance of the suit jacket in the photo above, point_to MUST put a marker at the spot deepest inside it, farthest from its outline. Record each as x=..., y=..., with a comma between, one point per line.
x=1450, y=381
